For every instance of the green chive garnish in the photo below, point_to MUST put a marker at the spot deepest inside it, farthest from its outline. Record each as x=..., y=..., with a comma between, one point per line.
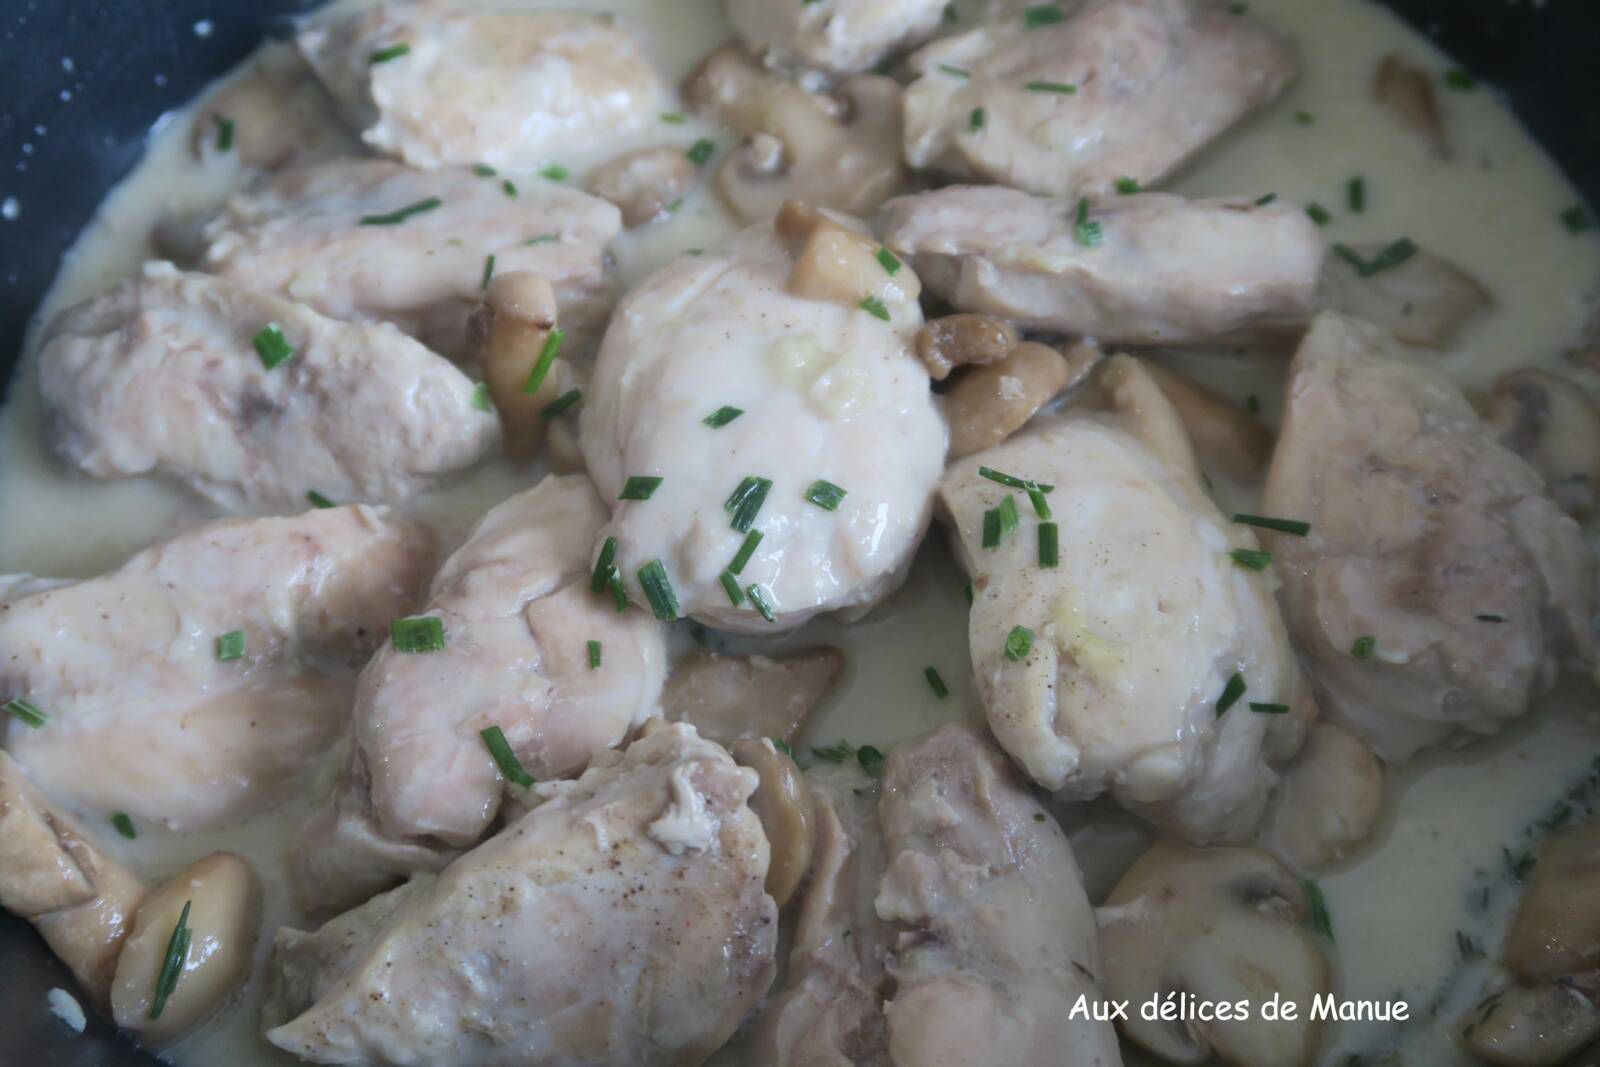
x=614, y=583
x=543, y=239
x=273, y=348
x=936, y=683
x=782, y=746
x=1265, y=200
x=230, y=645
x=1252, y=404
x=561, y=404
x=594, y=655
x=483, y=170
x=1269, y=709
x=27, y=712
x=547, y=359
x=1318, y=213
x=1127, y=186
x=394, y=51
x=673, y=118
x=658, y=590
x=224, y=134
x=602, y=566
x=730, y=585
x=1088, y=233
x=401, y=214
x=1362, y=647
x=1049, y=545
x=875, y=307
x=509, y=187
x=955, y=72
x=834, y=753
x=1304, y=118
x=722, y=416
x=1288, y=526
x=1391, y=256
x=480, y=397
x=1252, y=558
x=1011, y=481
x=495, y=739
x=1019, y=642
x=1230, y=694
x=1042, y=15
x=1052, y=87
x=751, y=541
x=488, y=271
x=701, y=151
x=758, y=597
x=891, y=264
x=1355, y=194
x=1321, y=921
x=1491, y=618
x=825, y=495
x=744, y=503
x=966, y=591
x=1578, y=220
x=555, y=172
x=1460, y=80
x=975, y=120
x=869, y=758
x=122, y=822
x=639, y=487
x=317, y=500
x=421, y=633
x=1009, y=519
x=991, y=528
x=172, y=963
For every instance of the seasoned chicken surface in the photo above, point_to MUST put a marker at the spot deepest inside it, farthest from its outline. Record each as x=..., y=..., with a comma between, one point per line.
x=518, y=616
x=836, y=37
x=824, y=390
x=354, y=239
x=168, y=373
x=438, y=84
x=621, y=921
x=1068, y=106
x=992, y=939
x=151, y=714
x=1115, y=682
x=1439, y=586
x=1145, y=269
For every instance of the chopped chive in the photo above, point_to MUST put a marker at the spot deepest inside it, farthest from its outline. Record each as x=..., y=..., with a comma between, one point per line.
x=1321, y=921
x=394, y=51
x=547, y=359
x=870, y=758
x=1491, y=618
x=1263, y=201
x=1009, y=519
x=758, y=597
x=890, y=263
x=658, y=590
x=1061, y=88
x=543, y=239
x=230, y=645
x=122, y=822
x=1049, y=544
x=1318, y=213
x=1269, y=709
x=1578, y=220
x=1230, y=694
x=955, y=72
x=966, y=591
x=976, y=119
x=483, y=170
x=172, y=963
x=672, y=208
x=730, y=585
x=825, y=495
x=1355, y=194
x=991, y=528
x=1252, y=404
x=1041, y=506
x=1127, y=186
x=875, y=307
x=782, y=746
x=936, y=683
x=509, y=187
x=722, y=416
x=561, y=404
x=1362, y=647
x=834, y=753
x=1042, y=15
x=400, y=215
x=701, y=151
x=594, y=655
x=26, y=711
x=744, y=503
x=602, y=566
x=1391, y=256
x=1288, y=526
x=421, y=633
x=1088, y=233
x=480, y=397
x=1019, y=642
x=488, y=271
x=1252, y=558
x=494, y=739
x=554, y=172
x=272, y=346
x=1238, y=8
x=673, y=118
x=1304, y=118
x=317, y=500
x=639, y=487
x=224, y=134
x=614, y=583
x=950, y=13
x=741, y=558
x=1459, y=80
x=1011, y=481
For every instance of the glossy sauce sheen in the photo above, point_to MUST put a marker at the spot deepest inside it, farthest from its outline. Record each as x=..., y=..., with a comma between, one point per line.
x=1493, y=209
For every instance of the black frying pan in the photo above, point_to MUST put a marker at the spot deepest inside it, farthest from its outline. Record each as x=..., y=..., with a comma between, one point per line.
x=132, y=60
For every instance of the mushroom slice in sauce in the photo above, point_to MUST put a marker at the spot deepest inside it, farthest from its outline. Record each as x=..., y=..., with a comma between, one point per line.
x=1405, y=91
x=1329, y=800
x=517, y=344
x=731, y=697
x=788, y=817
x=273, y=114
x=964, y=340
x=1534, y=1026
x=988, y=404
x=644, y=184
x=1226, y=436
x=839, y=38
x=1423, y=300
x=1554, y=424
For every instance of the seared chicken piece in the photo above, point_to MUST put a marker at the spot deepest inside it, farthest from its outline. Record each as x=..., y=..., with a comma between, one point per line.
x=727, y=698
x=836, y=37
x=155, y=709
x=621, y=921
x=991, y=936
x=1439, y=587
x=824, y=389
x=1117, y=669
x=274, y=114
x=345, y=238
x=437, y=84
x=518, y=616
x=1117, y=89
x=169, y=373
x=1146, y=269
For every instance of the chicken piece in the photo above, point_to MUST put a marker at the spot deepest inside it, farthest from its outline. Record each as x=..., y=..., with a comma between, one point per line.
x=1116, y=89
x=837, y=37
x=150, y=712
x=1438, y=587
x=168, y=373
x=54, y=874
x=827, y=391
x=518, y=616
x=1423, y=299
x=274, y=114
x=991, y=936
x=1147, y=269
x=1115, y=670
x=437, y=84
x=727, y=698
x=312, y=234
x=621, y=921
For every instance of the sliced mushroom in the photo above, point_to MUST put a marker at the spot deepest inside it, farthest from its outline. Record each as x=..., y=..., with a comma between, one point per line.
x=732, y=697
x=1534, y=1026
x=1405, y=90
x=961, y=340
x=275, y=114
x=989, y=403
x=836, y=262
x=510, y=331
x=223, y=898
x=53, y=874
x=1557, y=929
x=1226, y=436
x=1551, y=422
x=644, y=184
x=1125, y=389
x=1424, y=300
x=799, y=145
x=1221, y=924
x=783, y=804
x=1329, y=799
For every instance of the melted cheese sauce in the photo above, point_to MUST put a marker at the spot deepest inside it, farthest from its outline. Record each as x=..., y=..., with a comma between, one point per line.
x=1401, y=909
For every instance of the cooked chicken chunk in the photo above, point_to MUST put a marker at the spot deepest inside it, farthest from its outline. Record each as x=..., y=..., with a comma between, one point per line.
x=153, y=707
x=346, y=238
x=824, y=390
x=437, y=84
x=1115, y=670
x=621, y=921
x=1423, y=299
x=834, y=36
x=518, y=618
x=992, y=939
x=1147, y=269
x=274, y=114
x=1118, y=89
x=169, y=373
x=727, y=698
x=1439, y=586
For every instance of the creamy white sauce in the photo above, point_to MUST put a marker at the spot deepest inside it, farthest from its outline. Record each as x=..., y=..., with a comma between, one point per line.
x=1397, y=908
